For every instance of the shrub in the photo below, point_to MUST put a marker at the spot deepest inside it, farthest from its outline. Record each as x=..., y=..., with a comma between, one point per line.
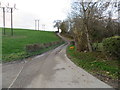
x=33, y=47
x=46, y=45
x=37, y=47
x=97, y=46
x=112, y=46
x=53, y=43
x=58, y=42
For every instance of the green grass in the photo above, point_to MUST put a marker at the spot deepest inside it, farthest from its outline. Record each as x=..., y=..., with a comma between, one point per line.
x=95, y=63
x=13, y=47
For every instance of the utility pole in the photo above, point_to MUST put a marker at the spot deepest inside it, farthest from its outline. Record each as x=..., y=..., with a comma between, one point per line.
x=3, y=19
x=38, y=24
x=35, y=24
x=11, y=21
x=11, y=11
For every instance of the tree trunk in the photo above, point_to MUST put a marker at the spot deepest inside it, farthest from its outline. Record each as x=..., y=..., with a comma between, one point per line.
x=58, y=29
x=88, y=40
x=80, y=42
x=77, y=45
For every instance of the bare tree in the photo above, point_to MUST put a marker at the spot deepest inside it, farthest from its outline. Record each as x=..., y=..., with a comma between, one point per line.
x=86, y=13
x=57, y=24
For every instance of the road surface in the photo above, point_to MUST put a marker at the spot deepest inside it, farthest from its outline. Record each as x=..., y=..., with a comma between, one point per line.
x=50, y=70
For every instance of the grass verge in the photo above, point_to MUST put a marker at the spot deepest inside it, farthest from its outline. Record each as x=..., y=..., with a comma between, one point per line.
x=96, y=64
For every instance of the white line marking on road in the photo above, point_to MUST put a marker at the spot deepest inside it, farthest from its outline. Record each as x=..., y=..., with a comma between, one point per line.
x=16, y=78
x=24, y=65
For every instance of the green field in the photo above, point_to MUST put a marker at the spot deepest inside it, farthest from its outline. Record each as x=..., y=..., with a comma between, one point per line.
x=13, y=47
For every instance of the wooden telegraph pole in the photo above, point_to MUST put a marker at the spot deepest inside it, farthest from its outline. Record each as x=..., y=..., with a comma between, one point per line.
x=11, y=11
x=3, y=18
x=37, y=24
x=11, y=21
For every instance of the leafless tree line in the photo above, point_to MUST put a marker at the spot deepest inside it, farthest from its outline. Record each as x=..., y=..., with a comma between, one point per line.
x=91, y=22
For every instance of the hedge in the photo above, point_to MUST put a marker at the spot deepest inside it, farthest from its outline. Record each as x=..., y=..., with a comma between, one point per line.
x=112, y=46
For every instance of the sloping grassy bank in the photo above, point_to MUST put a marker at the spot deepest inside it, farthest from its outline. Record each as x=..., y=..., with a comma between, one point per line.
x=97, y=64
x=14, y=47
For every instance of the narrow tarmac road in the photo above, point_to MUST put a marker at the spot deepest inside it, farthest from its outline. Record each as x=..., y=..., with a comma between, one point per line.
x=49, y=70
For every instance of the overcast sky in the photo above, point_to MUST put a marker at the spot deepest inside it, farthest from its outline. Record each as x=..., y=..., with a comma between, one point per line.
x=28, y=10
x=45, y=10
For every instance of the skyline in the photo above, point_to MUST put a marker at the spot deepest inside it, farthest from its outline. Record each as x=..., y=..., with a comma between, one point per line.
x=44, y=10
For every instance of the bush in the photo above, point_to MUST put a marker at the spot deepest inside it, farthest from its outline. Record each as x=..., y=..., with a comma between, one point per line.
x=46, y=45
x=34, y=47
x=112, y=46
x=37, y=47
x=97, y=46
